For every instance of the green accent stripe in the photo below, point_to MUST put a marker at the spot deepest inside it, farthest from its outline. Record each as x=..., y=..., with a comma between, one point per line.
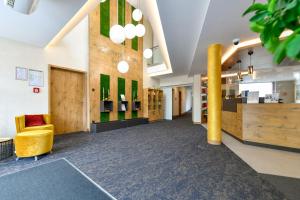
x=104, y=88
x=105, y=18
x=121, y=90
x=135, y=40
x=121, y=12
x=134, y=96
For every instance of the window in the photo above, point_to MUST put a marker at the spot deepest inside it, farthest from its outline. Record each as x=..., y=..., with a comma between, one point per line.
x=263, y=88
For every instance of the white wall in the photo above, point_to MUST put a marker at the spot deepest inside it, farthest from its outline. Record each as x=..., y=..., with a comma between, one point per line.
x=17, y=97
x=148, y=82
x=167, y=103
x=188, y=99
x=197, y=99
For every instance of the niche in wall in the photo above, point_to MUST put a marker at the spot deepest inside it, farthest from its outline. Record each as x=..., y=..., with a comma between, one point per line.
x=106, y=105
x=121, y=103
x=134, y=97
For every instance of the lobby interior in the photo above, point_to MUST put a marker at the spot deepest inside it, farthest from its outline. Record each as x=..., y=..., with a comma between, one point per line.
x=139, y=99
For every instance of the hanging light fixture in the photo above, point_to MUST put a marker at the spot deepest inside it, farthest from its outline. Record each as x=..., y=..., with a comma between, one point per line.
x=239, y=74
x=123, y=67
x=130, y=31
x=250, y=67
x=117, y=34
x=102, y=1
x=148, y=53
x=137, y=14
x=140, y=30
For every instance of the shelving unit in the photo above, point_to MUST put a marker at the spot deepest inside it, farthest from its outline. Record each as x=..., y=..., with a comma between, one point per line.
x=153, y=99
x=204, y=102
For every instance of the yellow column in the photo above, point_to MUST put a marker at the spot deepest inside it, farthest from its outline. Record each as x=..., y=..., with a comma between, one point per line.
x=214, y=134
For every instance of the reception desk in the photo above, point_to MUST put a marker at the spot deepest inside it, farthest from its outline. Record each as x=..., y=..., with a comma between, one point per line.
x=270, y=125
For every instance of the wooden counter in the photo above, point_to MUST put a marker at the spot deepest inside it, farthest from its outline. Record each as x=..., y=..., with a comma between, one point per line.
x=270, y=124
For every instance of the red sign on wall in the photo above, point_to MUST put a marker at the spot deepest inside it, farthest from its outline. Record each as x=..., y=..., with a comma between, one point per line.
x=36, y=90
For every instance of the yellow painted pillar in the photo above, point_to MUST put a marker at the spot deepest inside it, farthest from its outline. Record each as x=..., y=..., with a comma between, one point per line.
x=214, y=134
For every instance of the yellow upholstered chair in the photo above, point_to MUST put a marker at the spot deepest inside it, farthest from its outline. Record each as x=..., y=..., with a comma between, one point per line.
x=20, y=124
x=33, y=143
x=35, y=140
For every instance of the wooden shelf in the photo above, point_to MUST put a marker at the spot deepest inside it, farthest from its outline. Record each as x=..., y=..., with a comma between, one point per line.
x=154, y=108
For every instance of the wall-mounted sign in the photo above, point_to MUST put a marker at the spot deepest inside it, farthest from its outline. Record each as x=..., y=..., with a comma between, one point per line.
x=36, y=78
x=36, y=90
x=21, y=74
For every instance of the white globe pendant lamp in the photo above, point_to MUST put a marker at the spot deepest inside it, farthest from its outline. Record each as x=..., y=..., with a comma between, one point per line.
x=148, y=53
x=137, y=15
x=140, y=30
x=102, y=1
x=123, y=67
x=117, y=34
x=130, y=31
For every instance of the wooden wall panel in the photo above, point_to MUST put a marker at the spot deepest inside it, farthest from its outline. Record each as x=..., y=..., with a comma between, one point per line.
x=67, y=101
x=275, y=124
x=232, y=122
x=104, y=56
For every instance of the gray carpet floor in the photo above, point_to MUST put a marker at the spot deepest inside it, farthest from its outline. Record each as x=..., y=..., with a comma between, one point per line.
x=167, y=160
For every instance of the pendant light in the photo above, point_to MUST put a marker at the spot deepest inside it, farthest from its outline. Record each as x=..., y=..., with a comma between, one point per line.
x=123, y=65
x=130, y=31
x=137, y=14
x=148, y=53
x=239, y=74
x=250, y=67
x=140, y=30
x=117, y=34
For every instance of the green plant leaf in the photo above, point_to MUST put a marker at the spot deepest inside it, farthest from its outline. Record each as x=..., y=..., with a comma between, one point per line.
x=293, y=47
x=292, y=5
x=255, y=27
x=259, y=16
x=272, y=5
x=255, y=7
x=280, y=53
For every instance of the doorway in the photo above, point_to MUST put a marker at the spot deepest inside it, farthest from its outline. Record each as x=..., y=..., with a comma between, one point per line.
x=68, y=103
x=180, y=102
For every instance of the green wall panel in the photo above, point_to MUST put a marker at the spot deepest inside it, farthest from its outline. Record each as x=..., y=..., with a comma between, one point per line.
x=121, y=12
x=135, y=40
x=105, y=18
x=104, y=91
x=121, y=90
x=134, y=96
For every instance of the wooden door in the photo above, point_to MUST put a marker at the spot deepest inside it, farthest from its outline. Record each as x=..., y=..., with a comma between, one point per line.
x=180, y=102
x=67, y=100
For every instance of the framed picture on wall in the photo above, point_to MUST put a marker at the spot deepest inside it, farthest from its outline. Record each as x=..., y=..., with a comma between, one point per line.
x=21, y=74
x=36, y=78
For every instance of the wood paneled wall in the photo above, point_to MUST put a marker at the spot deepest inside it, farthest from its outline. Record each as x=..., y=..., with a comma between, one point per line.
x=104, y=56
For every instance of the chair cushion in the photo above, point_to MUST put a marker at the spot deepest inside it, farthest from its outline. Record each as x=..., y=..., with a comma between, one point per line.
x=34, y=120
x=44, y=127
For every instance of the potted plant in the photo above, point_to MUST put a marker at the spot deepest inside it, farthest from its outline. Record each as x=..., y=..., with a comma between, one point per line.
x=270, y=20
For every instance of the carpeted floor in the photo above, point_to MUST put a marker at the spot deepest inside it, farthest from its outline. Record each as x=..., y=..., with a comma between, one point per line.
x=165, y=160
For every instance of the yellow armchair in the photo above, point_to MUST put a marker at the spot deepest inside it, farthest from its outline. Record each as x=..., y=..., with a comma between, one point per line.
x=34, y=140
x=20, y=124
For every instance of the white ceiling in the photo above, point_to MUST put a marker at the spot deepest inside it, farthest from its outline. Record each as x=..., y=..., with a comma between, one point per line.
x=190, y=26
x=223, y=23
x=40, y=27
x=182, y=23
